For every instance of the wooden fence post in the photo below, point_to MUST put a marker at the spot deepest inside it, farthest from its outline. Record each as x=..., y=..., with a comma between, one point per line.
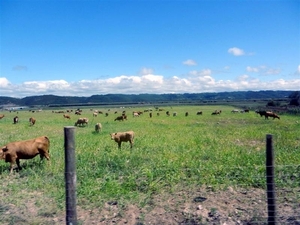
x=70, y=175
x=270, y=181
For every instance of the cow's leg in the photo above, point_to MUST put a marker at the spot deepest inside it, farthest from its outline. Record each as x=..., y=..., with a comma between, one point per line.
x=18, y=164
x=119, y=144
x=131, y=143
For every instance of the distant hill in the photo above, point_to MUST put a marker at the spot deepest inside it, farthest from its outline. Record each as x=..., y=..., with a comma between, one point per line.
x=53, y=100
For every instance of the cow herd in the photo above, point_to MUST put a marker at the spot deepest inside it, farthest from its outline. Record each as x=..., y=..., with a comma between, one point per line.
x=28, y=149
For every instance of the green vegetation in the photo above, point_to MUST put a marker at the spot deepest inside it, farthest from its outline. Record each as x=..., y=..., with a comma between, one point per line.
x=215, y=150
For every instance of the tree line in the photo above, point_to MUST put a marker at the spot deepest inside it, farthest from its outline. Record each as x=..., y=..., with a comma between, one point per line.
x=54, y=100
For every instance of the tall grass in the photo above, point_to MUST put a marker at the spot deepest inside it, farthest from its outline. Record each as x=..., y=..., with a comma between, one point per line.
x=215, y=150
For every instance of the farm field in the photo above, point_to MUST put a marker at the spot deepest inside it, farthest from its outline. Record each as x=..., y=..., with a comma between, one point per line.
x=176, y=168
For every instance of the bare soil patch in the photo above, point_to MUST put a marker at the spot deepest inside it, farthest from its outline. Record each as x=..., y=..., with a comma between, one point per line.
x=200, y=206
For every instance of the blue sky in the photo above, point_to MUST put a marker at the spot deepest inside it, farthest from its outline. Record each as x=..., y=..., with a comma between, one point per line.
x=83, y=48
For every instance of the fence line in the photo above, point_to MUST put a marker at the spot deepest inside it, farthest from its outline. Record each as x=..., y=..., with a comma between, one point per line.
x=70, y=176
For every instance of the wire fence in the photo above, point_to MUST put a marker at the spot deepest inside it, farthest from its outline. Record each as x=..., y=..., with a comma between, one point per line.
x=265, y=207
x=236, y=203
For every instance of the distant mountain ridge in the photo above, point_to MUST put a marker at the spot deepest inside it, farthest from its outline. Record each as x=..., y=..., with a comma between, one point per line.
x=143, y=98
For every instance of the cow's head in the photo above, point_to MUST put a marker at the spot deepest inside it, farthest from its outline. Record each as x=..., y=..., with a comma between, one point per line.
x=2, y=151
x=112, y=135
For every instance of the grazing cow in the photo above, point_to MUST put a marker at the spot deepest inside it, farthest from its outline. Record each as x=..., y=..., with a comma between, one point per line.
x=135, y=114
x=216, y=112
x=199, y=113
x=261, y=112
x=271, y=114
x=77, y=113
x=187, y=113
x=121, y=118
x=95, y=114
x=235, y=111
x=98, y=127
x=150, y=114
x=16, y=119
x=32, y=121
x=14, y=151
x=82, y=121
x=67, y=116
x=168, y=113
x=120, y=137
x=1, y=116
x=174, y=113
x=106, y=114
x=246, y=110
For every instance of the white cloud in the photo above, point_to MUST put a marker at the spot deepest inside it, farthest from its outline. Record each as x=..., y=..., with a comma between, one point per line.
x=264, y=70
x=145, y=71
x=252, y=69
x=189, y=62
x=204, y=72
x=298, y=69
x=4, y=82
x=236, y=51
x=196, y=82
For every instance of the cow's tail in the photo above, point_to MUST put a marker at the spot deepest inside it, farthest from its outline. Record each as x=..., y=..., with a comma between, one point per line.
x=48, y=142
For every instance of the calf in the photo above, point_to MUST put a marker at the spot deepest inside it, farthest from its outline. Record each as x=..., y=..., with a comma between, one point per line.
x=32, y=121
x=120, y=137
x=14, y=151
x=98, y=127
x=82, y=121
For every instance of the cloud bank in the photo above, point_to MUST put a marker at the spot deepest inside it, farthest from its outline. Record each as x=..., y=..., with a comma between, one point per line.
x=148, y=82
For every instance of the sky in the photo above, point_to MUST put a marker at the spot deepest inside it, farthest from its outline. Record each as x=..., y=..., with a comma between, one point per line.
x=89, y=47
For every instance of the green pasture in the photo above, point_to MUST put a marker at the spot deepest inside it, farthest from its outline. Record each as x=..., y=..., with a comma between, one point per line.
x=214, y=150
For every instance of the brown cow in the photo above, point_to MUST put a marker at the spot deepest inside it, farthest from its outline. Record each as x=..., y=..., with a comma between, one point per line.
x=135, y=114
x=199, y=113
x=67, y=116
x=1, y=116
x=216, y=112
x=271, y=114
x=14, y=151
x=98, y=127
x=120, y=137
x=82, y=121
x=16, y=119
x=32, y=121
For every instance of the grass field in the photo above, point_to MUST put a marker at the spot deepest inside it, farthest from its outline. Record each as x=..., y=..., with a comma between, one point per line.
x=216, y=150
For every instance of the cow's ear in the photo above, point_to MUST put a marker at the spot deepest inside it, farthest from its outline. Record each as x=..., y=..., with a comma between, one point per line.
x=4, y=149
x=116, y=133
